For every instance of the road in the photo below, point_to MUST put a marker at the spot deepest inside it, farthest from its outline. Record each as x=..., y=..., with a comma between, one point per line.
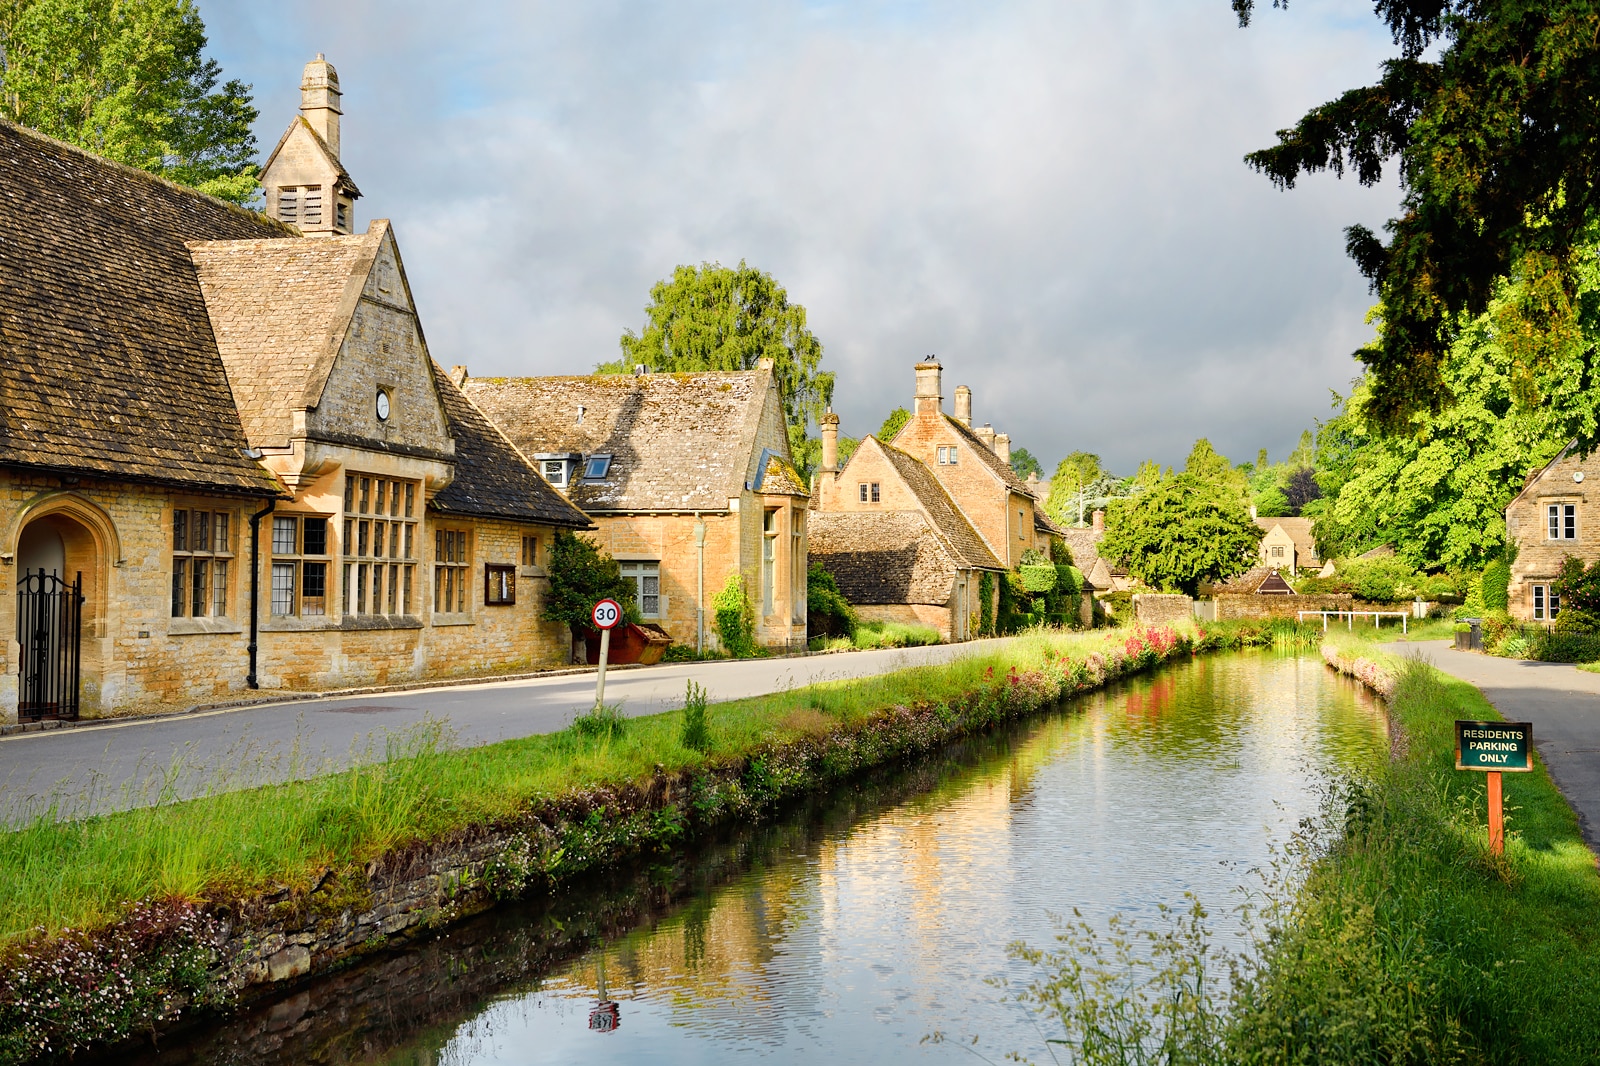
x=101, y=767
x=1561, y=701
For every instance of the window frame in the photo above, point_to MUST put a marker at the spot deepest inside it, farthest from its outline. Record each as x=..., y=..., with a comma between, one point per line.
x=562, y=464
x=605, y=468
x=298, y=565
x=769, y=561
x=530, y=549
x=1545, y=604
x=634, y=570
x=452, y=570
x=214, y=562
x=1561, y=521
x=499, y=585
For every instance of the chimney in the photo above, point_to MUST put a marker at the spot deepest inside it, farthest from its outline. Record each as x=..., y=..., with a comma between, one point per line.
x=1099, y=521
x=1033, y=482
x=929, y=399
x=1002, y=447
x=964, y=405
x=458, y=376
x=319, y=100
x=829, y=424
x=764, y=363
x=985, y=433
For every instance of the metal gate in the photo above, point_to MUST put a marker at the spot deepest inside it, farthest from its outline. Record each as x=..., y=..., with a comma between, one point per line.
x=49, y=623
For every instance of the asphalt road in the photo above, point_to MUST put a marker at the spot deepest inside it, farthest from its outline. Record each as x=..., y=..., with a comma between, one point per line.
x=1561, y=701
x=91, y=769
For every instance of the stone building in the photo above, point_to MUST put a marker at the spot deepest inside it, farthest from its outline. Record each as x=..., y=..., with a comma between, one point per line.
x=1287, y=544
x=687, y=478
x=1548, y=521
x=227, y=460
x=899, y=547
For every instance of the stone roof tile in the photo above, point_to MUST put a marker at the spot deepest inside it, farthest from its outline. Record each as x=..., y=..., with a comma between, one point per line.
x=961, y=539
x=883, y=557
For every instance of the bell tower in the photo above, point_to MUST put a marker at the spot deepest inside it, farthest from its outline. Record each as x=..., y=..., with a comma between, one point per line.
x=305, y=184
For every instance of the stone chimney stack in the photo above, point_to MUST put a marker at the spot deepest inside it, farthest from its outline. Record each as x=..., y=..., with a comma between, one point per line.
x=985, y=433
x=1099, y=521
x=1002, y=447
x=829, y=425
x=458, y=376
x=929, y=399
x=964, y=405
x=319, y=100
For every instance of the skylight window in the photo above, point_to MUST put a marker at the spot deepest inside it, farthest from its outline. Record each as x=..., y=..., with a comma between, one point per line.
x=597, y=467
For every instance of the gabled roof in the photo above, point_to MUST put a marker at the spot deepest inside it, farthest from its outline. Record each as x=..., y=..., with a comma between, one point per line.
x=299, y=122
x=1299, y=531
x=1535, y=476
x=1000, y=467
x=883, y=557
x=776, y=476
x=678, y=442
x=963, y=542
x=492, y=478
x=107, y=361
x=280, y=310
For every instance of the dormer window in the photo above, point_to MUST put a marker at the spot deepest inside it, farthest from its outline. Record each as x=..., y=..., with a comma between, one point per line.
x=597, y=467
x=555, y=472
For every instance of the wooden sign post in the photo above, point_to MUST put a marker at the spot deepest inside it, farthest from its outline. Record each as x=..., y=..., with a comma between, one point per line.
x=1495, y=748
x=606, y=615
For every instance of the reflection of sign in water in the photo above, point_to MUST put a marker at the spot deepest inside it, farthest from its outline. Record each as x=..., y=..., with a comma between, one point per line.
x=1493, y=746
x=604, y=1016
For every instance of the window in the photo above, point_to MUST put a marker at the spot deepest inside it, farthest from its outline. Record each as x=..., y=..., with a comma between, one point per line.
x=499, y=586
x=380, y=545
x=299, y=565
x=1277, y=551
x=646, y=578
x=947, y=456
x=530, y=551
x=313, y=206
x=451, y=562
x=202, y=551
x=288, y=200
x=870, y=492
x=797, y=568
x=1546, y=604
x=769, y=555
x=1561, y=521
x=597, y=467
x=554, y=471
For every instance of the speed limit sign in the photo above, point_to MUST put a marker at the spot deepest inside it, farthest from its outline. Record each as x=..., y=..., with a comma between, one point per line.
x=607, y=613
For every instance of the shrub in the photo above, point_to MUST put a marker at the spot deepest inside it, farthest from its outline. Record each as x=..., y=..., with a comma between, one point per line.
x=1496, y=586
x=1037, y=577
x=986, y=604
x=735, y=618
x=828, y=613
x=603, y=721
x=696, y=732
x=581, y=575
x=1556, y=647
x=1382, y=580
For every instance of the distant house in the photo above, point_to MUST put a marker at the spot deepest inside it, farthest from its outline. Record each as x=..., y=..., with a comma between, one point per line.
x=687, y=477
x=1084, y=543
x=899, y=547
x=1548, y=521
x=1287, y=544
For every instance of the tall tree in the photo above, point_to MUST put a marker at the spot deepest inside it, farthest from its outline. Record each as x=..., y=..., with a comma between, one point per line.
x=713, y=317
x=1072, y=487
x=1023, y=463
x=1184, y=530
x=893, y=424
x=1496, y=137
x=128, y=80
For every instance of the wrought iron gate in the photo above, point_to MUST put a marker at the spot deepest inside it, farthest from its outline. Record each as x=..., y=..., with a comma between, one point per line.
x=49, y=623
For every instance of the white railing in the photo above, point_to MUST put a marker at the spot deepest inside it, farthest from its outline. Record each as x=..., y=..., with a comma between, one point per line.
x=1350, y=618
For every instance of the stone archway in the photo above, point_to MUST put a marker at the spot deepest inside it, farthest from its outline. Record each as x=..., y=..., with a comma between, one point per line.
x=59, y=614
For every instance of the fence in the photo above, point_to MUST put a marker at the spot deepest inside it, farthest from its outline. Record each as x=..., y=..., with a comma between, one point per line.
x=1351, y=616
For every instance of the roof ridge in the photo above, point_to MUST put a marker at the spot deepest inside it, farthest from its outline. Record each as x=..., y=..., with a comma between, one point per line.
x=993, y=461
x=938, y=486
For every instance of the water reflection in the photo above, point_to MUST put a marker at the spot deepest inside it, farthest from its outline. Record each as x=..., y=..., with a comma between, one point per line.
x=862, y=923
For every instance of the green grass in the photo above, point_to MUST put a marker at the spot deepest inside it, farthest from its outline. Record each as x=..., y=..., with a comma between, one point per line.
x=57, y=873
x=1409, y=942
x=871, y=635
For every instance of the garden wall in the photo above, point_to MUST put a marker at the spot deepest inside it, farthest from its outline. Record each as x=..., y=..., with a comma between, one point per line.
x=1161, y=608
x=1238, y=605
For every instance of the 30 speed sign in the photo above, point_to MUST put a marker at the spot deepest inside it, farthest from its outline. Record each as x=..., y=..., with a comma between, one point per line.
x=607, y=613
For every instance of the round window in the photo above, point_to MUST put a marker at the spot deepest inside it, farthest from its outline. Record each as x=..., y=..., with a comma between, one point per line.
x=383, y=405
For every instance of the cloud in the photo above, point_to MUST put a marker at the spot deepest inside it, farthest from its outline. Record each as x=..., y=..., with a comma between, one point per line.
x=1050, y=197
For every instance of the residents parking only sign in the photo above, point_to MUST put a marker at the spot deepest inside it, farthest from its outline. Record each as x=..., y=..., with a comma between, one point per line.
x=1494, y=746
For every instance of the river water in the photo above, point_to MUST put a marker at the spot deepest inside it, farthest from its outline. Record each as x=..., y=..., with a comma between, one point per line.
x=855, y=925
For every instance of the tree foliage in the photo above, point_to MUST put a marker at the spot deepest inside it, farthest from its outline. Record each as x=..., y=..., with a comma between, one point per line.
x=1023, y=463
x=713, y=317
x=581, y=575
x=1184, y=530
x=128, y=80
x=893, y=424
x=1496, y=138
x=828, y=613
x=1080, y=486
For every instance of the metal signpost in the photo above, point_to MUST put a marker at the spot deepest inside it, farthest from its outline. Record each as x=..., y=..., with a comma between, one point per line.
x=1495, y=748
x=606, y=615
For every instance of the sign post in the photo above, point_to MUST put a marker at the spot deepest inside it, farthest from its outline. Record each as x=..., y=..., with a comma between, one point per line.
x=1495, y=748
x=606, y=615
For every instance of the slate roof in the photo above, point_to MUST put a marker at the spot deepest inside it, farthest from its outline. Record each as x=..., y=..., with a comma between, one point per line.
x=678, y=442
x=963, y=543
x=883, y=557
x=107, y=361
x=492, y=478
x=279, y=310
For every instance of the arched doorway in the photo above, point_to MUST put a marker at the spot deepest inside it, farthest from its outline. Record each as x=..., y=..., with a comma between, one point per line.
x=53, y=552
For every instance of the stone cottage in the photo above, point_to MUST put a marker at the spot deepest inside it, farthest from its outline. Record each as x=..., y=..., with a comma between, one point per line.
x=227, y=459
x=1287, y=544
x=1548, y=521
x=899, y=547
x=687, y=478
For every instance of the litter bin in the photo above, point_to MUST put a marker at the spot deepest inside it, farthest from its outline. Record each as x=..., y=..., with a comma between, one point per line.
x=1470, y=639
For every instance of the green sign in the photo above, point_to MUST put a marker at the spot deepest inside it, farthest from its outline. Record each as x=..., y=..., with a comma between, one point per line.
x=1494, y=746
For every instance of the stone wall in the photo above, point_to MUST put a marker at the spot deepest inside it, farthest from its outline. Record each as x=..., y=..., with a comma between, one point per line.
x=1232, y=606
x=1161, y=608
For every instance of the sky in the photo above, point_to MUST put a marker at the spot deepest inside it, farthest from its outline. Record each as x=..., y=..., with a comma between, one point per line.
x=1048, y=197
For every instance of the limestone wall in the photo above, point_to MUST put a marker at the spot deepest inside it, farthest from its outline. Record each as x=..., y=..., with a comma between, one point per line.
x=1161, y=608
x=1539, y=556
x=1247, y=605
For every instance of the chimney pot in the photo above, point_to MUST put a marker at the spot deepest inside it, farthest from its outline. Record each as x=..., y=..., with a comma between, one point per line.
x=964, y=405
x=1099, y=521
x=929, y=398
x=1002, y=447
x=458, y=375
x=985, y=433
x=829, y=425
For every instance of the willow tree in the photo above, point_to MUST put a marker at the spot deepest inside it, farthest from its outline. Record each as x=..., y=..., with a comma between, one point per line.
x=713, y=317
x=128, y=80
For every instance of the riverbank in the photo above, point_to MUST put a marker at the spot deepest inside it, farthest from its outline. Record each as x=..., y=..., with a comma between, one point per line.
x=1409, y=942
x=247, y=889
